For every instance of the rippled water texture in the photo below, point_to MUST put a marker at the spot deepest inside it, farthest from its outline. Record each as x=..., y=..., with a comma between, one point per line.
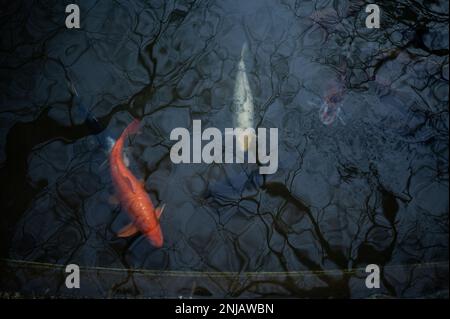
x=366, y=182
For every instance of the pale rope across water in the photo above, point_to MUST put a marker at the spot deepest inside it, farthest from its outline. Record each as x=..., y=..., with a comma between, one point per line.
x=175, y=273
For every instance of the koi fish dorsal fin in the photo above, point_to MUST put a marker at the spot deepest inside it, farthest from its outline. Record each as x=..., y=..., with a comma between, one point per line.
x=128, y=230
x=129, y=183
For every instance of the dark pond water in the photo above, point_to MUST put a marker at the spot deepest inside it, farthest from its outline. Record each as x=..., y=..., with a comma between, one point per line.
x=363, y=128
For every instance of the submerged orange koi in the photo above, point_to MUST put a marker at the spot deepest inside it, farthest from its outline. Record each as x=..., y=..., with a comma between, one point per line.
x=132, y=195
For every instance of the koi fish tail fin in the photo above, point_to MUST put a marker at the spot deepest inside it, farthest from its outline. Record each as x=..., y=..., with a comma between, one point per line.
x=132, y=128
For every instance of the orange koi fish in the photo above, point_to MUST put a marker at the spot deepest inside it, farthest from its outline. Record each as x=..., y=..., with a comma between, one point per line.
x=132, y=195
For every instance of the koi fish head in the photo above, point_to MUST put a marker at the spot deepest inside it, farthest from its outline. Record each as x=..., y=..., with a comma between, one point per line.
x=334, y=94
x=334, y=98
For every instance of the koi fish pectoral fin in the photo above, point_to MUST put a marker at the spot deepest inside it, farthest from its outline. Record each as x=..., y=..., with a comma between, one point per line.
x=340, y=115
x=103, y=164
x=128, y=230
x=341, y=119
x=160, y=210
x=110, y=142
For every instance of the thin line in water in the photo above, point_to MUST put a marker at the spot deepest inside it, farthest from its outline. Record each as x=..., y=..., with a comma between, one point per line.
x=180, y=273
